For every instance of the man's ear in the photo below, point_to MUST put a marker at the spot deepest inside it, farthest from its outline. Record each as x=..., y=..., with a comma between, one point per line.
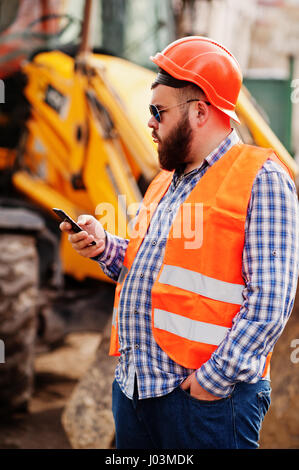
x=202, y=112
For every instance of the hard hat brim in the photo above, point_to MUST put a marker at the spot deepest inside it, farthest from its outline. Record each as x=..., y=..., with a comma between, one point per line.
x=231, y=114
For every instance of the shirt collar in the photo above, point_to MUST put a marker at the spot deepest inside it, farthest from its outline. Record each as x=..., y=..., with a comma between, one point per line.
x=231, y=140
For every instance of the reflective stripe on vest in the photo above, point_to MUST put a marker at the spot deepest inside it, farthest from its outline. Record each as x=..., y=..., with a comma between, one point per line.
x=193, y=330
x=114, y=317
x=203, y=285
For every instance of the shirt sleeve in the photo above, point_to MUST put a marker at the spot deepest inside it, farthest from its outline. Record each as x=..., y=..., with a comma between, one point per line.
x=270, y=271
x=111, y=259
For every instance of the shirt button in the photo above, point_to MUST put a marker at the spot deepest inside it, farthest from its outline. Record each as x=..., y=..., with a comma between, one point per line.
x=135, y=311
x=154, y=242
x=136, y=346
x=141, y=275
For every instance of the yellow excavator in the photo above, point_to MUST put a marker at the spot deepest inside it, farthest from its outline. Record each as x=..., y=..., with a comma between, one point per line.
x=73, y=135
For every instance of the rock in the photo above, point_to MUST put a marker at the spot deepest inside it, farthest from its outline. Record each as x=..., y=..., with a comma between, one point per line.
x=73, y=358
x=281, y=426
x=87, y=418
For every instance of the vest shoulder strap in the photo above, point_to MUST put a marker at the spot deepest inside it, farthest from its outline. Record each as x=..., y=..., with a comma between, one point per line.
x=161, y=180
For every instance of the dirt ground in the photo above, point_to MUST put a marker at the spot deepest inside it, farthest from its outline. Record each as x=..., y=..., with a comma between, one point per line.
x=57, y=373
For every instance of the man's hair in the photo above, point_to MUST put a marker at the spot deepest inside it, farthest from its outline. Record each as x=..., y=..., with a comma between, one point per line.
x=185, y=90
x=189, y=92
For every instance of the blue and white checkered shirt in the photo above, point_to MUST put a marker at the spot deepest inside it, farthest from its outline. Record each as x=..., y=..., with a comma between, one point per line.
x=270, y=270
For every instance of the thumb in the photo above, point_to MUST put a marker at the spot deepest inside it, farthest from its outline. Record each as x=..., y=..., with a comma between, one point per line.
x=84, y=219
x=187, y=382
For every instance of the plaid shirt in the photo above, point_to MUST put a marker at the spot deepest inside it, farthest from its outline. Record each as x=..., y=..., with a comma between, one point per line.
x=270, y=270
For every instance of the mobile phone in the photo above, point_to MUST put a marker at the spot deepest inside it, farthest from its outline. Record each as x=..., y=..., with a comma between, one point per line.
x=66, y=218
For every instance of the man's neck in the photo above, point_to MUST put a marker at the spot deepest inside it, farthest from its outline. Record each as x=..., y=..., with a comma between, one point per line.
x=204, y=149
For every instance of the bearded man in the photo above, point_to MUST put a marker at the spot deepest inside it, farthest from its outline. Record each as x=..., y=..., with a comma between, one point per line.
x=195, y=325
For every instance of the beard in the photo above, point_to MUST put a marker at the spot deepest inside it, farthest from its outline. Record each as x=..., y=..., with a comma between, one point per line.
x=174, y=150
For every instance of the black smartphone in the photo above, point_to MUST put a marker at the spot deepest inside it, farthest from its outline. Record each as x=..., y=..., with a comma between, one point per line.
x=66, y=218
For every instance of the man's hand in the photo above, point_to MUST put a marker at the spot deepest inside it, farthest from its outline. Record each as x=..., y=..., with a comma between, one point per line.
x=196, y=390
x=92, y=230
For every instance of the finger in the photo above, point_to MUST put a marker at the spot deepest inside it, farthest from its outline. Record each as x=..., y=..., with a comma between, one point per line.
x=186, y=384
x=77, y=237
x=65, y=227
x=92, y=251
x=83, y=242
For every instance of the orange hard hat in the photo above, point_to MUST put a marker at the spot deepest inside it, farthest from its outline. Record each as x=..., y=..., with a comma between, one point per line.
x=207, y=64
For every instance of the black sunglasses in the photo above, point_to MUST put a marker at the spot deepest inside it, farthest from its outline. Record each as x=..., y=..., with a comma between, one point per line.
x=157, y=112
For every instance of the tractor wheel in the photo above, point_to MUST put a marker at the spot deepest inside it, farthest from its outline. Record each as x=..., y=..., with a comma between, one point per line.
x=19, y=275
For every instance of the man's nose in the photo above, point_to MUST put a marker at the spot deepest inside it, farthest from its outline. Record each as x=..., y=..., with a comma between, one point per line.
x=153, y=123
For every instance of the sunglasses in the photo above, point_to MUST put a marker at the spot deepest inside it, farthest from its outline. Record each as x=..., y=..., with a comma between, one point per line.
x=157, y=112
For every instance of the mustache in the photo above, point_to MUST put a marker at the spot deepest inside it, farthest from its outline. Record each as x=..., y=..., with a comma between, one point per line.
x=155, y=136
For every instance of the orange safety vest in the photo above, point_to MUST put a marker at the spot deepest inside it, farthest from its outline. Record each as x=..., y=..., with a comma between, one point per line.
x=198, y=291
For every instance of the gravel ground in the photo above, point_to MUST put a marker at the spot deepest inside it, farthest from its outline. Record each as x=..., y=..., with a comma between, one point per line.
x=57, y=373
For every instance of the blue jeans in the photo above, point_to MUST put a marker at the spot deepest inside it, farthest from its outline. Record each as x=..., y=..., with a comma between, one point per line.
x=179, y=421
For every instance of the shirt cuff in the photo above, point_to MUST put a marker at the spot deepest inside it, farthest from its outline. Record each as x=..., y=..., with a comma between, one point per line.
x=211, y=380
x=104, y=256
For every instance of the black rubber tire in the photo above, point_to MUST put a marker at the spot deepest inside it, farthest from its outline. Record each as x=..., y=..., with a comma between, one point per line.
x=19, y=278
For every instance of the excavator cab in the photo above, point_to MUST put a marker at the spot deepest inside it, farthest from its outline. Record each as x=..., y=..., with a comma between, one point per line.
x=73, y=135
x=74, y=122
